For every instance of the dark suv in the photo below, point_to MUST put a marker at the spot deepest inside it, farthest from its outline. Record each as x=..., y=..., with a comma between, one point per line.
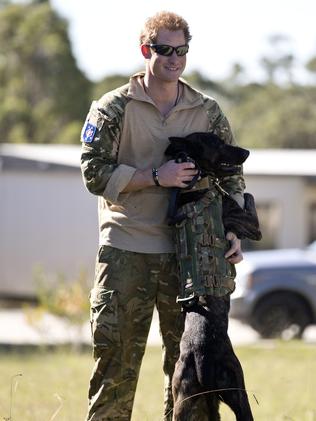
x=276, y=291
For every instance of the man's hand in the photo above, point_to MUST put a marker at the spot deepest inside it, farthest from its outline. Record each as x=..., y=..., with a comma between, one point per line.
x=234, y=254
x=173, y=174
x=170, y=174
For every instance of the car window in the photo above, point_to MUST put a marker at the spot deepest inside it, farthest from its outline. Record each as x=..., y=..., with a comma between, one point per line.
x=312, y=246
x=288, y=275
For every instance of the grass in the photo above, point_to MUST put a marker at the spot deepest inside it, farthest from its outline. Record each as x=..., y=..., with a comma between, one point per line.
x=53, y=386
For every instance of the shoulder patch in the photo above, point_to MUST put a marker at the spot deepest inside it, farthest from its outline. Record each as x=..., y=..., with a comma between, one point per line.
x=88, y=132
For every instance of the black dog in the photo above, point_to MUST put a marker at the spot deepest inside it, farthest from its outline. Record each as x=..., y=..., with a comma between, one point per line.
x=217, y=159
x=208, y=370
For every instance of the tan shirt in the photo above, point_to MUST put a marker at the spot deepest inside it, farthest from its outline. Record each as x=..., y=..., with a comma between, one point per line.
x=136, y=221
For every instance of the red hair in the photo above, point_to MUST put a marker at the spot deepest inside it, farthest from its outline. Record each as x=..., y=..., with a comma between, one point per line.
x=166, y=20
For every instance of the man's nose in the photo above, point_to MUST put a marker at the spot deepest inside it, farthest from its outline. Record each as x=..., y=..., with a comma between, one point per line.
x=173, y=55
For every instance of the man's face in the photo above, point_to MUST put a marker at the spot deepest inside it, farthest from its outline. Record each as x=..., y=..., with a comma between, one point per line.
x=168, y=69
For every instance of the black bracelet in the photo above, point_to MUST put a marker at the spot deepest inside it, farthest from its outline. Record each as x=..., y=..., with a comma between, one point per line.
x=155, y=176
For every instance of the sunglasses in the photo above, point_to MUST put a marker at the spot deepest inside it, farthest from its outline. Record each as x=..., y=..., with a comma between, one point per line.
x=167, y=50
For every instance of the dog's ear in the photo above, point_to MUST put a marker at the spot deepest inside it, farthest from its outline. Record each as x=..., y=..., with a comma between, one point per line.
x=234, y=155
x=177, y=140
x=177, y=144
x=243, y=153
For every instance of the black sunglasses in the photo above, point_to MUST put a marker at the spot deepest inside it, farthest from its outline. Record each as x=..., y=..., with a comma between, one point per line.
x=167, y=50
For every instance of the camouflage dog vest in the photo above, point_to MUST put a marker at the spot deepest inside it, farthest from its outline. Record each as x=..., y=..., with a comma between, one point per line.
x=200, y=248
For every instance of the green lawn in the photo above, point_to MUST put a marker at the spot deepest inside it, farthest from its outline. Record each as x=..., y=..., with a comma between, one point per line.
x=282, y=376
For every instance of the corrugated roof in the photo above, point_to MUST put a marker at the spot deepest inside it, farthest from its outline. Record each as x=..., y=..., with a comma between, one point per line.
x=68, y=155
x=281, y=162
x=260, y=162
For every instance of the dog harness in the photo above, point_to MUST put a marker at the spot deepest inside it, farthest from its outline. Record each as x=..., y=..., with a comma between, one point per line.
x=201, y=246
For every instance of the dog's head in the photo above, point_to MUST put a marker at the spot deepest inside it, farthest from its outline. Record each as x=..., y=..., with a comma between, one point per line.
x=212, y=155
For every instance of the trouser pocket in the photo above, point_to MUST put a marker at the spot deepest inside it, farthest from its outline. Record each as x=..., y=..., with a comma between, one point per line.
x=104, y=319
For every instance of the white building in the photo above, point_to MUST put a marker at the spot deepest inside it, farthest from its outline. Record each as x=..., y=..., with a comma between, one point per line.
x=284, y=185
x=48, y=219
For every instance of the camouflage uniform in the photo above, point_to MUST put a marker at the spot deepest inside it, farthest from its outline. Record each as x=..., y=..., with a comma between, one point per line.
x=129, y=284
x=127, y=287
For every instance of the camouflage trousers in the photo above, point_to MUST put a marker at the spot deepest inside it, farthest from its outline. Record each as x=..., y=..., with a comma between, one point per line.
x=127, y=287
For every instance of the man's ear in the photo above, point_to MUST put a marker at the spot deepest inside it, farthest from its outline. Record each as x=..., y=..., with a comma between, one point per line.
x=145, y=49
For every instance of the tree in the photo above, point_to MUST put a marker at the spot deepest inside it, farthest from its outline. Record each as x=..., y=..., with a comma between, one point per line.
x=275, y=117
x=278, y=113
x=108, y=84
x=43, y=95
x=206, y=85
x=280, y=60
x=311, y=66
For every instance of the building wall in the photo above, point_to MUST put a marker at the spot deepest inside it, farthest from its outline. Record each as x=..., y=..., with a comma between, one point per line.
x=287, y=195
x=47, y=220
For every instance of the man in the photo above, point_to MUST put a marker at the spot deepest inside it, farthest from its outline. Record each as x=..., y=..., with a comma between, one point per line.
x=123, y=162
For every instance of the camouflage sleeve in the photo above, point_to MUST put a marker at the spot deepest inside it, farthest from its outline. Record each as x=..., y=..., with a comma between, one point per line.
x=234, y=185
x=101, y=172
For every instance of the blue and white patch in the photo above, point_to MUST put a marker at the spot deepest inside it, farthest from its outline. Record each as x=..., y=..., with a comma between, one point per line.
x=89, y=133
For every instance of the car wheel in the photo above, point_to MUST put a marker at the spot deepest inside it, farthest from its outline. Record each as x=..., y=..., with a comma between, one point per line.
x=281, y=314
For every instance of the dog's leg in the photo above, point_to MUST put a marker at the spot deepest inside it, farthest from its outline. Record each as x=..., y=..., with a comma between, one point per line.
x=232, y=377
x=189, y=403
x=205, y=371
x=222, y=364
x=194, y=399
x=183, y=379
x=213, y=407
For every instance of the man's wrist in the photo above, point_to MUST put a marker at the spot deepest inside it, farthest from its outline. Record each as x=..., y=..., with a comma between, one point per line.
x=230, y=235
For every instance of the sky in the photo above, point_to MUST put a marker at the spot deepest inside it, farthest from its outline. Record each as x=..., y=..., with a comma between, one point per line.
x=104, y=34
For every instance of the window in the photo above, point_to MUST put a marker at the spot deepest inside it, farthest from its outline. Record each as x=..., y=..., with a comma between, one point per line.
x=269, y=215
